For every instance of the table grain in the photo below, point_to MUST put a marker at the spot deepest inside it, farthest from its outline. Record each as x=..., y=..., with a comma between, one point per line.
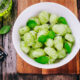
x=8, y=67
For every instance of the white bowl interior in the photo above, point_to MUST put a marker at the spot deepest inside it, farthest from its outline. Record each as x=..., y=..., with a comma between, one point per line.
x=54, y=9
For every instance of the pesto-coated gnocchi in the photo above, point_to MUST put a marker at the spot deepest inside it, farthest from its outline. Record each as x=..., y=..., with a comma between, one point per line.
x=46, y=38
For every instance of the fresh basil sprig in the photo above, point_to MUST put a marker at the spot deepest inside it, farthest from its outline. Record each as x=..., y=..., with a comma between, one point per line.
x=5, y=29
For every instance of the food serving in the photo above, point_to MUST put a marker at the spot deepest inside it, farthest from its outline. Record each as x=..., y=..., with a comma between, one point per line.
x=46, y=38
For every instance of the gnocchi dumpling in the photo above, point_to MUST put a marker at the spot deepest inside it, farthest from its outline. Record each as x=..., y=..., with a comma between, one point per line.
x=44, y=17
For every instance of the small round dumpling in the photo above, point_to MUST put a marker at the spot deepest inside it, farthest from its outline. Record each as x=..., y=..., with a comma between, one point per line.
x=53, y=19
x=37, y=53
x=51, y=52
x=41, y=27
x=62, y=53
x=58, y=43
x=49, y=43
x=23, y=47
x=42, y=32
x=36, y=19
x=29, y=39
x=44, y=17
x=24, y=30
x=37, y=45
x=37, y=28
x=60, y=29
x=68, y=29
x=34, y=34
x=69, y=37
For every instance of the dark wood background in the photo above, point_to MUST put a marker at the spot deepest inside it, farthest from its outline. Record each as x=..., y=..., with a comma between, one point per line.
x=8, y=67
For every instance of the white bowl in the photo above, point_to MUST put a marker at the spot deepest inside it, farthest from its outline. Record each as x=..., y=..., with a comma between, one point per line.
x=54, y=9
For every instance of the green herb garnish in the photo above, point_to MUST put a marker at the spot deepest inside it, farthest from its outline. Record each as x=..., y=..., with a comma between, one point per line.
x=51, y=34
x=42, y=38
x=42, y=59
x=5, y=29
x=31, y=24
x=62, y=20
x=67, y=47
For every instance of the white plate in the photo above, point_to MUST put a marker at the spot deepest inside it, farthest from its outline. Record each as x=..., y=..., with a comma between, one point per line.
x=54, y=9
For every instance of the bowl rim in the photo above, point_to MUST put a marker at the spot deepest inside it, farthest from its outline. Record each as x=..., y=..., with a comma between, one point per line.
x=49, y=66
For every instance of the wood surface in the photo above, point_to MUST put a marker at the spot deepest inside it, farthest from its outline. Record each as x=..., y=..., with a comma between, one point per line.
x=73, y=67
x=8, y=67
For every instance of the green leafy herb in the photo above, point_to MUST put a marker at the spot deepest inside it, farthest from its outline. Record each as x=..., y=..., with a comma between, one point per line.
x=62, y=20
x=5, y=29
x=67, y=47
x=31, y=24
x=42, y=38
x=42, y=59
x=51, y=34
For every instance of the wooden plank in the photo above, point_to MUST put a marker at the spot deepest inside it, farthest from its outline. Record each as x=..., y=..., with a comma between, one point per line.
x=9, y=65
x=73, y=66
x=78, y=2
x=60, y=77
x=41, y=77
x=1, y=46
x=78, y=5
x=23, y=67
x=79, y=14
x=30, y=77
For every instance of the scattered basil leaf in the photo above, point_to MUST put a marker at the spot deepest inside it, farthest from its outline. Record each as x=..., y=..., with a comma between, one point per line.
x=5, y=29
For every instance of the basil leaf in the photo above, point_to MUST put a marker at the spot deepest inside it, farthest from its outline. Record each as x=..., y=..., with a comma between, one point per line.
x=51, y=34
x=62, y=20
x=42, y=59
x=31, y=24
x=67, y=47
x=5, y=29
x=42, y=38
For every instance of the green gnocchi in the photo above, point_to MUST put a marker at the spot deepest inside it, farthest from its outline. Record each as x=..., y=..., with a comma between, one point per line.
x=46, y=38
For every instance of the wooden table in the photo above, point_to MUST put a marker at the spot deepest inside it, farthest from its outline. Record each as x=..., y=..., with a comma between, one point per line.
x=8, y=67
